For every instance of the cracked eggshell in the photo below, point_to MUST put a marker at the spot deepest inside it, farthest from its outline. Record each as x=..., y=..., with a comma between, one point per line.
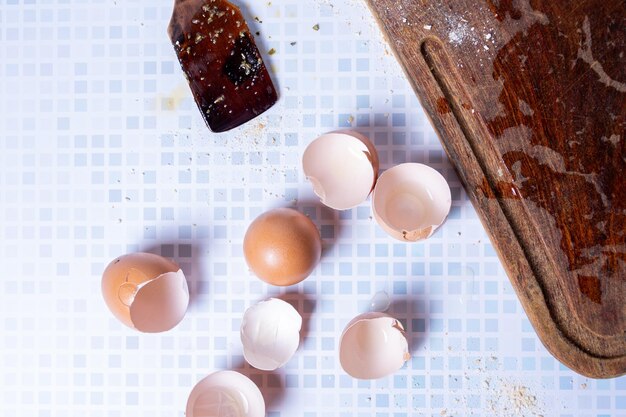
x=411, y=201
x=270, y=334
x=342, y=167
x=372, y=346
x=146, y=292
x=225, y=394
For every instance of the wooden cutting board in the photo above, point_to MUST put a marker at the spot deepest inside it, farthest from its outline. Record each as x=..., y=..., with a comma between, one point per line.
x=529, y=100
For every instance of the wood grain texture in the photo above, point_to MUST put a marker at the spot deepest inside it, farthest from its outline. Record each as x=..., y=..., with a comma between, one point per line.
x=529, y=100
x=226, y=74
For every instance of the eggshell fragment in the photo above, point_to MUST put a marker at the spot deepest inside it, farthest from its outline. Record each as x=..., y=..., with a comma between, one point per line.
x=146, y=292
x=342, y=167
x=373, y=345
x=282, y=246
x=411, y=201
x=225, y=394
x=270, y=334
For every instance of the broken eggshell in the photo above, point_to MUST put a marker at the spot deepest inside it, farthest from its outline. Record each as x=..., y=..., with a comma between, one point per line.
x=225, y=394
x=342, y=167
x=372, y=346
x=270, y=334
x=410, y=201
x=146, y=292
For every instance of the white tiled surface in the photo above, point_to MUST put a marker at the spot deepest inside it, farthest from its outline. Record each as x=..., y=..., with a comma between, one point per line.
x=103, y=152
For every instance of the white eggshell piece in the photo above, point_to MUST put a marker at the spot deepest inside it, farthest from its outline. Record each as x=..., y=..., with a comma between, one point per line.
x=270, y=334
x=342, y=167
x=160, y=304
x=411, y=201
x=372, y=346
x=225, y=394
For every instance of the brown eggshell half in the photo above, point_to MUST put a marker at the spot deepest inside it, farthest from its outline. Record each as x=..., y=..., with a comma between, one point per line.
x=282, y=247
x=160, y=304
x=145, y=291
